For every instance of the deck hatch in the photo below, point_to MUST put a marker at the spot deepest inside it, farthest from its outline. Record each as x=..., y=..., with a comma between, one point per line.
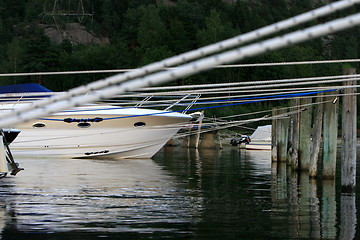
x=84, y=125
x=38, y=125
x=139, y=124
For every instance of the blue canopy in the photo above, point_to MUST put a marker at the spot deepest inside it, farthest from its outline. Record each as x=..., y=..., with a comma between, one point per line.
x=23, y=88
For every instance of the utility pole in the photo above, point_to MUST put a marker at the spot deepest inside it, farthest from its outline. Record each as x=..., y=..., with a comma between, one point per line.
x=79, y=13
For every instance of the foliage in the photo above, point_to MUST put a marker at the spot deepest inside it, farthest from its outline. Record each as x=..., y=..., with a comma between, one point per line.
x=144, y=31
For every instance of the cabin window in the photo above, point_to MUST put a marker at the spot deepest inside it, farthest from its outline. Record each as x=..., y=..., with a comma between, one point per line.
x=38, y=125
x=139, y=124
x=84, y=125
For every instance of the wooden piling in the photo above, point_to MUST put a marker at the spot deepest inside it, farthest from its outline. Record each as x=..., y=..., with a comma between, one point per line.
x=295, y=131
x=305, y=135
x=317, y=130
x=348, y=151
x=290, y=139
x=283, y=126
x=274, y=135
x=208, y=140
x=199, y=132
x=219, y=139
x=330, y=132
x=192, y=141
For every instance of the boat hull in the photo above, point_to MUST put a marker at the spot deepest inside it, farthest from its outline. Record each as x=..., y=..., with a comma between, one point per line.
x=118, y=134
x=259, y=145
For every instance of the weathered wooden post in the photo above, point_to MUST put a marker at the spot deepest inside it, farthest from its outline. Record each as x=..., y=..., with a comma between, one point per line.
x=208, y=140
x=317, y=130
x=185, y=141
x=283, y=126
x=217, y=135
x=330, y=130
x=290, y=138
x=219, y=139
x=192, y=141
x=348, y=151
x=199, y=131
x=295, y=131
x=274, y=136
x=305, y=134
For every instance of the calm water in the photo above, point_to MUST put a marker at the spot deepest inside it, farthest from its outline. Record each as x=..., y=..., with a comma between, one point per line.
x=179, y=194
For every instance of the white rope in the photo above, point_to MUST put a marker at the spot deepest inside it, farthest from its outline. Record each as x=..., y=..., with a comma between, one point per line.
x=288, y=63
x=253, y=87
x=220, y=66
x=227, y=124
x=223, y=126
x=213, y=100
x=72, y=99
x=64, y=73
x=210, y=49
x=215, y=91
x=261, y=82
x=158, y=103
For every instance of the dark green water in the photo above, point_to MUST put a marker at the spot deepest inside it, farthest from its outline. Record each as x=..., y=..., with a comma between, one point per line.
x=179, y=194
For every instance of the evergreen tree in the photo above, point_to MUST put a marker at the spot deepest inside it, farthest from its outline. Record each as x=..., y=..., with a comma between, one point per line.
x=152, y=31
x=216, y=29
x=40, y=54
x=14, y=55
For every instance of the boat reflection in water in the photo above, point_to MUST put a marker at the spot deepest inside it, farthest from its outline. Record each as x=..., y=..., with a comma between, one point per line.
x=181, y=193
x=94, y=197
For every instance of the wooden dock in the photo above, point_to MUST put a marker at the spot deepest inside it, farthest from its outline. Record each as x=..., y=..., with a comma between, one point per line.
x=310, y=130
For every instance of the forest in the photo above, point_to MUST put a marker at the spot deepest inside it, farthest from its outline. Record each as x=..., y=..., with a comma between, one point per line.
x=144, y=31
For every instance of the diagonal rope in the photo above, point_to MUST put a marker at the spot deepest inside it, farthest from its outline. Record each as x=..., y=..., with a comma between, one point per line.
x=115, y=85
x=262, y=82
x=204, y=51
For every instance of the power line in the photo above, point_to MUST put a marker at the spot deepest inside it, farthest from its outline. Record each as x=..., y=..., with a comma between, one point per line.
x=219, y=66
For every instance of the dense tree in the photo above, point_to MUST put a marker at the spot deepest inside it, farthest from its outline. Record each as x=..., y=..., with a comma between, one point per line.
x=40, y=53
x=33, y=9
x=144, y=31
x=14, y=54
x=110, y=17
x=216, y=29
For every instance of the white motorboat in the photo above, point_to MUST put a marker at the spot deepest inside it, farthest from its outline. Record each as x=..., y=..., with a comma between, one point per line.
x=260, y=139
x=96, y=131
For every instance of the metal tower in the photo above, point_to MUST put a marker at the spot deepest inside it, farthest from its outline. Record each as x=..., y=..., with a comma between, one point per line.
x=79, y=13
